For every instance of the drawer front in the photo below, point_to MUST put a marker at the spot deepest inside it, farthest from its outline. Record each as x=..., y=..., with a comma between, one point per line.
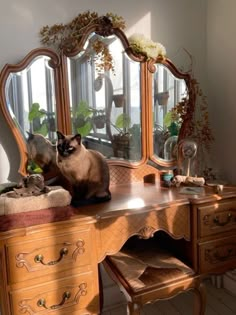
x=38, y=258
x=217, y=218
x=66, y=296
x=217, y=254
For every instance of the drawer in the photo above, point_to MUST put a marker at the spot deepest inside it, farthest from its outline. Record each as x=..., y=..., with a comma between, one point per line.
x=64, y=296
x=34, y=259
x=217, y=218
x=217, y=254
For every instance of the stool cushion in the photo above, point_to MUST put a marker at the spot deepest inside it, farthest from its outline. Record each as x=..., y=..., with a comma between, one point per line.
x=148, y=268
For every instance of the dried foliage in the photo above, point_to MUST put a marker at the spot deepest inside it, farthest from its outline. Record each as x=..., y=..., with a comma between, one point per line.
x=195, y=117
x=192, y=112
x=67, y=37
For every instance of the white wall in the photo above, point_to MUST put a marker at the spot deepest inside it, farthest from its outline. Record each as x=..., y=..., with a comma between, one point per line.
x=175, y=23
x=221, y=69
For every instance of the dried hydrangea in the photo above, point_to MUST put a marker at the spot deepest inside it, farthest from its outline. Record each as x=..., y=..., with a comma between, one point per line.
x=143, y=45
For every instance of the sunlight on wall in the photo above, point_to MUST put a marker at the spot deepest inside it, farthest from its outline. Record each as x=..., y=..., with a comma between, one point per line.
x=23, y=12
x=143, y=25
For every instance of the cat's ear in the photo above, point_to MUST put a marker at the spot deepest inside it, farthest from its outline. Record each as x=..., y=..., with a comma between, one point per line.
x=78, y=138
x=30, y=135
x=60, y=135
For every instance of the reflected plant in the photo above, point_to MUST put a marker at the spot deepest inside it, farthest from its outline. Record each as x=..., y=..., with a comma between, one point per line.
x=81, y=118
x=33, y=168
x=173, y=122
x=122, y=123
x=42, y=121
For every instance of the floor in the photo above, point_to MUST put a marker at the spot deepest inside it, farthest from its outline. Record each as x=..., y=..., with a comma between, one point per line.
x=219, y=302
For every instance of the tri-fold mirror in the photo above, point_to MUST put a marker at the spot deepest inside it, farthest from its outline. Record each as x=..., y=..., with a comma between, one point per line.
x=124, y=111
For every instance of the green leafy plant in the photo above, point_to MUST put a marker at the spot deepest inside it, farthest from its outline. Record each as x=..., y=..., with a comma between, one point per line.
x=81, y=117
x=122, y=122
x=173, y=123
x=33, y=168
x=42, y=121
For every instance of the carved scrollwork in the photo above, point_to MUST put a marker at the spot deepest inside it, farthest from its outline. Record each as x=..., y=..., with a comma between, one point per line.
x=79, y=249
x=206, y=220
x=146, y=232
x=21, y=261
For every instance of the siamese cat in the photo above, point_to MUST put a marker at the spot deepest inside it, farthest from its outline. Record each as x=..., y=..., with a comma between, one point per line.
x=43, y=153
x=87, y=170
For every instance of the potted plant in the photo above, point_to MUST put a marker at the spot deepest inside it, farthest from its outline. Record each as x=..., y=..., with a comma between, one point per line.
x=99, y=118
x=162, y=98
x=85, y=118
x=119, y=100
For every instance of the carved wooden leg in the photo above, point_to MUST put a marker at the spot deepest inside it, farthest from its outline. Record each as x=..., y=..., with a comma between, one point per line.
x=101, y=297
x=200, y=300
x=133, y=309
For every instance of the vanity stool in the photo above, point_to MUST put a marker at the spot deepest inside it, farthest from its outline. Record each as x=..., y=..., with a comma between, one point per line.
x=148, y=275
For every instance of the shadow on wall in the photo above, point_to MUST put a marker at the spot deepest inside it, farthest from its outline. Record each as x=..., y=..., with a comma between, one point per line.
x=9, y=154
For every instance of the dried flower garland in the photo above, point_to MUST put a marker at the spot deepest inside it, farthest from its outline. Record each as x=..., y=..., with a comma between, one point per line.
x=192, y=111
x=66, y=37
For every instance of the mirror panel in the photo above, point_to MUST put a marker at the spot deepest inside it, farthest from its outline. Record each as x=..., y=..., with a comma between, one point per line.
x=168, y=90
x=105, y=105
x=30, y=98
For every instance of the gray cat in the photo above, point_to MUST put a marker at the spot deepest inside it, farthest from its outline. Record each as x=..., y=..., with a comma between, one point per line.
x=86, y=170
x=42, y=152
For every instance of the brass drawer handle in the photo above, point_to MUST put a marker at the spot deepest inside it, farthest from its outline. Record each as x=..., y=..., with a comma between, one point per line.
x=39, y=258
x=42, y=302
x=224, y=257
x=217, y=220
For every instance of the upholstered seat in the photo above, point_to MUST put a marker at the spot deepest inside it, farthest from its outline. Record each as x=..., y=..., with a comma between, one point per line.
x=149, y=274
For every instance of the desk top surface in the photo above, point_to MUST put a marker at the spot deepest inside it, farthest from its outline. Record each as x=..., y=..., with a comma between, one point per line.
x=126, y=199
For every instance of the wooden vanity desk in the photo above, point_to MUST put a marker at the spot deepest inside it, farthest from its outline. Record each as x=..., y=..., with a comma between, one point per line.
x=49, y=258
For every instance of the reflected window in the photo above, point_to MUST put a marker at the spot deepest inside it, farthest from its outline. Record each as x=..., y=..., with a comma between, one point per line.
x=31, y=98
x=105, y=105
x=168, y=90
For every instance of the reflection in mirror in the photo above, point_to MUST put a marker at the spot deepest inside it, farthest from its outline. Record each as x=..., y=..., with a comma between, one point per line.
x=168, y=90
x=30, y=98
x=105, y=104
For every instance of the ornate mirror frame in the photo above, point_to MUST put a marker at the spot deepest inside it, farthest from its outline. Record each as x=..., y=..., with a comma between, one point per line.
x=59, y=64
x=105, y=29
x=151, y=68
x=9, y=69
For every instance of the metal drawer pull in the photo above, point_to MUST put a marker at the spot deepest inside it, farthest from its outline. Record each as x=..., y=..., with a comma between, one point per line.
x=217, y=220
x=39, y=258
x=224, y=257
x=42, y=302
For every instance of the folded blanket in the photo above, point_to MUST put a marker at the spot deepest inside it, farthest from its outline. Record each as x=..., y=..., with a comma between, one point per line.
x=55, y=197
